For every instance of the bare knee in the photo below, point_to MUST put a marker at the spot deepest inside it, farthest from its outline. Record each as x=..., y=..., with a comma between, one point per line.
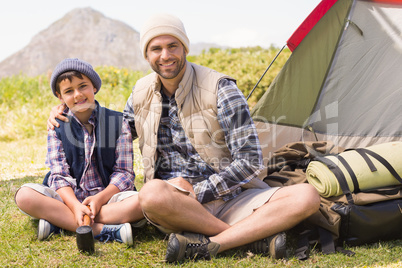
x=303, y=198
x=152, y=195
x=308, y=198
x=24, y=198
x=134, y=207
x=132, y=203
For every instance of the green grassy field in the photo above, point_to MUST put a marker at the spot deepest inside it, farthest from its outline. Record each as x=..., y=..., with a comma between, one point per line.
x=24, y=107
x=19, y=246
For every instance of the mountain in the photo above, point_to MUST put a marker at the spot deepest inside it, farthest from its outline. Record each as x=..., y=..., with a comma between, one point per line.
x=82, y=33
x=86, y=34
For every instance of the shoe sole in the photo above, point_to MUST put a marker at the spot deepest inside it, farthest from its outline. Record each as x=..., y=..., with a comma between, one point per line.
x=128, y=234
x=173, y=248
x=280, y=247
x=43, y=228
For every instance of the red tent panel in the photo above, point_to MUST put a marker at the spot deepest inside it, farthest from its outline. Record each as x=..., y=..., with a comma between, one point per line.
x=315, y=16
x=309, y=23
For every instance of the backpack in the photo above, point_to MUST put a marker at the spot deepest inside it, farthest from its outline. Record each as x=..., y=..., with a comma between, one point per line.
x=353, y=218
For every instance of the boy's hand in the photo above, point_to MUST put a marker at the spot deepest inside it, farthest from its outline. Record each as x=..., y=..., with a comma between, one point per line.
x=80, y=211
x=94, y=203
x=97, y=201
x=56, y=112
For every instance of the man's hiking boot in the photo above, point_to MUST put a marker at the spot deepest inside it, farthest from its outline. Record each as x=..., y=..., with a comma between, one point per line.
x=45, y=229
x=190, y=246
x=274, y=245
x=121, y=233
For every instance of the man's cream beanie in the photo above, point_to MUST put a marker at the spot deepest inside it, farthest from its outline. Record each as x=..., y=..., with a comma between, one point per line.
x=162, y=24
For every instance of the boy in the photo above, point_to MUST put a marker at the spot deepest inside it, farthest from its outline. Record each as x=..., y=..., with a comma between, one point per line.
x=91, y=164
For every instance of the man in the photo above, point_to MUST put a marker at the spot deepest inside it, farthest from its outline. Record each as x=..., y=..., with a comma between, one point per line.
x=197, y=136
x=202, y=156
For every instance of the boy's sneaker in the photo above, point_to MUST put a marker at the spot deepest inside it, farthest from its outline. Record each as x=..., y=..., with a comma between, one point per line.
x=275, y=245
x=121, y=233
x=190, y=246
x=45, y=229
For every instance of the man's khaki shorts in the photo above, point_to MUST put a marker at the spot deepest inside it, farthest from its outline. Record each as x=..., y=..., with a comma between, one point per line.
x=234, y=210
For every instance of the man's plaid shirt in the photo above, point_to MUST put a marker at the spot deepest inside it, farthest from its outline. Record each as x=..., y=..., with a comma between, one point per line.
x=178, y=158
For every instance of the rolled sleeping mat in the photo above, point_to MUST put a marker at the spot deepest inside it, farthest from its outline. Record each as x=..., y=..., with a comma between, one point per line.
x=364, y=169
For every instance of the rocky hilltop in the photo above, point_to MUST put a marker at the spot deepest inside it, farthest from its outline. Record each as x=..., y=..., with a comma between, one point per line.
x=82, y=33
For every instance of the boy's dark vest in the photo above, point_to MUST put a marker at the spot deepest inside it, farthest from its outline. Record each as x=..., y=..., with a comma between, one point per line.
x=107, y=131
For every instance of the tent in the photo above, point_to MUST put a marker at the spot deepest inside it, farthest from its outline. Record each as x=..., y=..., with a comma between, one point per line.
x=342, y=82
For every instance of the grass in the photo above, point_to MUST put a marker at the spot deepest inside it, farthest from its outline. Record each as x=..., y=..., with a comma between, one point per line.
x=23, y=161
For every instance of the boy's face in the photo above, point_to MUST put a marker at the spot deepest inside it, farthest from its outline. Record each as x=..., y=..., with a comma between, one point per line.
x=78, y=95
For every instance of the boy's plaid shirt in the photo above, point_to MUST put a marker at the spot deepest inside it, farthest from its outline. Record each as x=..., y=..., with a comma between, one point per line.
x=91, y=182
x=178, y=158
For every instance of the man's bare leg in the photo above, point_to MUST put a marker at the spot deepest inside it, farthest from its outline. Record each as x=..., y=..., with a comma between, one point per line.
x=168, y=207
x=174, y=210
x=286, y=208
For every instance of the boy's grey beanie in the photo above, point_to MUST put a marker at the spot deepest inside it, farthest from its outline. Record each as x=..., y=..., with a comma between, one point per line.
x=75, y=65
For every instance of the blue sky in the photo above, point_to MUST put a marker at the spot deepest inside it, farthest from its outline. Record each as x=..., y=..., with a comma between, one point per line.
x=225, y=22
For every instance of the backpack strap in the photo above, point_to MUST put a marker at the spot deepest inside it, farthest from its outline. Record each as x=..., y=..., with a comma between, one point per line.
x=364, y=152
x=302, y=251
x=351, y=173
x=367, y=159
x=315, y=235
x=326, y=240
x=339, y=176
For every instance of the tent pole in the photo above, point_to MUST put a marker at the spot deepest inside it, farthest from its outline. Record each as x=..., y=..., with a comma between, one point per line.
x=269, y=66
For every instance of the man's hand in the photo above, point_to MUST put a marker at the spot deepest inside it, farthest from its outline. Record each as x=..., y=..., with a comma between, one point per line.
x=182, y=183
x=56, y=112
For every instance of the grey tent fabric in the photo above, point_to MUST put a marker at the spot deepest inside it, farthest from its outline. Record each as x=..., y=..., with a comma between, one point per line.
x=364, y=87
x=342, y=82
